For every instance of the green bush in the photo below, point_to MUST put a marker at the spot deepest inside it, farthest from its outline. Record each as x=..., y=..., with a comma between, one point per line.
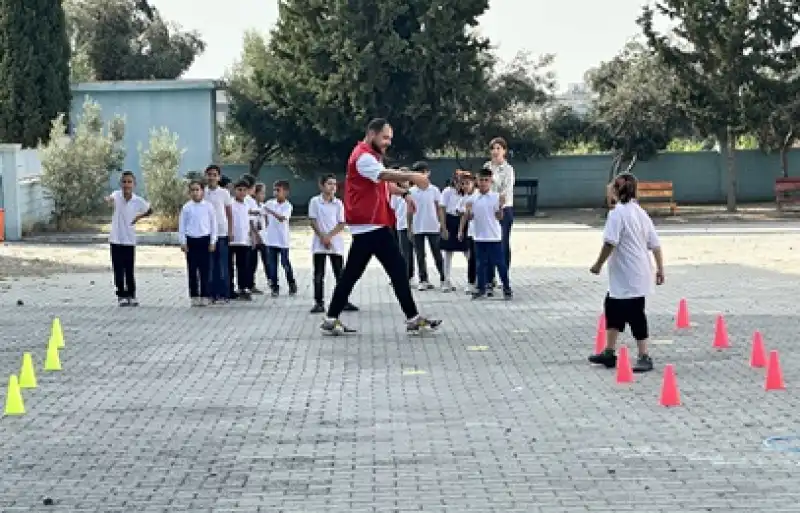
x=166, y=189
x=76, y=169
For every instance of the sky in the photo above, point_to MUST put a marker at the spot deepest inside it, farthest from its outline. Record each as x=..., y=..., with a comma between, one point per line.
x=581, y=33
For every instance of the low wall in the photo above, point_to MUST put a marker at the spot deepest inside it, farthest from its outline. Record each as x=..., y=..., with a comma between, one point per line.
x=24, y=199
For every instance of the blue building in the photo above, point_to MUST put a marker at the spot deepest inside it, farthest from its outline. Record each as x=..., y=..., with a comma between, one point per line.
x=187, y=108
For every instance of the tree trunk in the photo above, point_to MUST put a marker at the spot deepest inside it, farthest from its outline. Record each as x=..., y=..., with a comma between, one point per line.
x=727, y=144
x=787, y=142
x=257, y=163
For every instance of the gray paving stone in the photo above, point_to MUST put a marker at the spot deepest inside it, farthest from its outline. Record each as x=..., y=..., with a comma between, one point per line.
x=247, y=408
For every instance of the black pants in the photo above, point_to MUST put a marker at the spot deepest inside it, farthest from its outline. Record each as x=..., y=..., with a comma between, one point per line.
x=382, y=244
x=472, y=264
x=253, y=261
x=198, y=265
x=241, y=262
x=261, y=253
x=123, y=258
x=407, y=250
x=630, y=311
x=337, y=262
x=434, y=241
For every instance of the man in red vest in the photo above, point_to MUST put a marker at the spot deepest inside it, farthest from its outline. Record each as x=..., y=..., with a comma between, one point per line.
x=367, y=189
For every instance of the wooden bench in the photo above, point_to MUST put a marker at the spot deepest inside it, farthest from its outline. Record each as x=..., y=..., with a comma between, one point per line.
x=657, y=195
x=787, y=191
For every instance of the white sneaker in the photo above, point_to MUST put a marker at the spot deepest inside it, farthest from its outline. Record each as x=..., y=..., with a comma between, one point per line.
x=469, y=289
x=447, y=286
x=423, y=286
x=195, y=301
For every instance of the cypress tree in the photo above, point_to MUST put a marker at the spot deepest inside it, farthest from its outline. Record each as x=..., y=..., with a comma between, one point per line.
x=34, y=69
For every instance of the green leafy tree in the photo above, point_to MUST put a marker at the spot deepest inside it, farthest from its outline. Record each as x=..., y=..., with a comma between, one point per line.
x=76, y=169
x=634, y=113
x=775, y=117
x=566, y=130
x=330, y=66
x=127, y=40
x=34, y=66
x=166, y=188
x=723, y=52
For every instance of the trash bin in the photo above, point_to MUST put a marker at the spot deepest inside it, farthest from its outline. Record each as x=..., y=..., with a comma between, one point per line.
x=527, y=191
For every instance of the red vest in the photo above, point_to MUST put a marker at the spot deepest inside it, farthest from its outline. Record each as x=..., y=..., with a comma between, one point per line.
x=365, y=201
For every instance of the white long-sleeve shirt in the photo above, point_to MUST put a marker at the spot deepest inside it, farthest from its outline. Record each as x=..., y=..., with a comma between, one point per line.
x=198, y=219
x=503, y=182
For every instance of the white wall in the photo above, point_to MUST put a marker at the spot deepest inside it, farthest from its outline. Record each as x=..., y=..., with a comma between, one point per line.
x=25, y=200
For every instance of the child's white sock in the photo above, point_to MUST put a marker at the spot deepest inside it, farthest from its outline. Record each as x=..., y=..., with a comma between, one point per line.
x=448, y=264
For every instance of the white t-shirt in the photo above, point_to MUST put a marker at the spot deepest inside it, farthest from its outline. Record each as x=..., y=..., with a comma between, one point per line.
x=400, y=208
x=277, y=233
x=197, y=220
x=123, y=230
x=630, y=270
x=462, y=208
x=252, y=204
x=327, y=214
x=220, y=198
x=484, y=217
x=426, y=217
x=241, y=224
x=450, y=200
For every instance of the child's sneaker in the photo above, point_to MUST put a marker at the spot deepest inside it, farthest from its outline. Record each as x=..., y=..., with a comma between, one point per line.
x=422, y=325
x=293, y=288
x=350, y=307
x=424, y=285
x=447, y=286
x=479, y=295
x=193, y=302
x=643, y=364
x=244, y=295
x=607, y=358
x=507, y=294
x=470, y=289
x=275, y=292
x=256, y=291
x=334, y=327
x=318, y=308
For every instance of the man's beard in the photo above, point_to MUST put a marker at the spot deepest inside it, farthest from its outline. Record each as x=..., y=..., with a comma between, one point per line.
x=376, y=147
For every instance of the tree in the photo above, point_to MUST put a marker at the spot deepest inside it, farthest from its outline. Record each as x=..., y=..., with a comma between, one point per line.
x=723, y=51
x=76, y=169
x=166, y=188
x=127, y=40
x=34, y=64
x=775, y=118
x=330, y=66
x=565, y=128
x=634, y=114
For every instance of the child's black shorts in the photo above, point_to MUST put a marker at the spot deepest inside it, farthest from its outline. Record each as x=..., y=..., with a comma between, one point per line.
x=630, y=311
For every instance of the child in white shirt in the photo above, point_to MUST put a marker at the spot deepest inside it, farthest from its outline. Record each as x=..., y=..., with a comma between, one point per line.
x=326, y=214
x=485, y=211
x=197, y=231
x=220, y=198
x=628, y=238
x=427, y=224
x=276, y=237
x=241, y=240
x=398, y=204
x=128, y=210
x=466, y=230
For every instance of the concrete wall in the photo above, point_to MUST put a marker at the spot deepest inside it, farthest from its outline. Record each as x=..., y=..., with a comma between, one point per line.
x=24, y=199
x=578, y=181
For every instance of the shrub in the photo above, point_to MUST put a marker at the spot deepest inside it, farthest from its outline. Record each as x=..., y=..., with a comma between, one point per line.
x=76, y=169
x=166, y=189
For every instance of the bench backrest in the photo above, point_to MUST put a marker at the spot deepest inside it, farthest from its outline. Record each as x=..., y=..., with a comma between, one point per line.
x=655, y=189
x=787, y=185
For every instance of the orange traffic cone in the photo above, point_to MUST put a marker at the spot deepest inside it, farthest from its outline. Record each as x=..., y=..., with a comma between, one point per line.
x=624, y=370
x=669, y=388
x=600, y=337
x=721, y=334
x=758, y=355
x=682, y=319
x=774, y=379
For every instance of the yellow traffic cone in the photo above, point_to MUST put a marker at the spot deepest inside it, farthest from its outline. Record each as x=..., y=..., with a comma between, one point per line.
x=56, y=333
x=52, y=362
x=14, y=404
x=27, y=376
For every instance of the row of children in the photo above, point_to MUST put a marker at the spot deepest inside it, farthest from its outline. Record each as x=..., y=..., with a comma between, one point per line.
x=253, y=227
x=464, y=218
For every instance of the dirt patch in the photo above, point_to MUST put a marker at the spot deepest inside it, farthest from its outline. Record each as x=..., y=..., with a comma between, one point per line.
x=19, y=267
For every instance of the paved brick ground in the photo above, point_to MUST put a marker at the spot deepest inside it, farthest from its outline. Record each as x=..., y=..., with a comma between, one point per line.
x=247, y=408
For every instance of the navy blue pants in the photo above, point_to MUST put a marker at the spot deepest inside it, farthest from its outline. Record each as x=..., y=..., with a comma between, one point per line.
x=489, y=256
